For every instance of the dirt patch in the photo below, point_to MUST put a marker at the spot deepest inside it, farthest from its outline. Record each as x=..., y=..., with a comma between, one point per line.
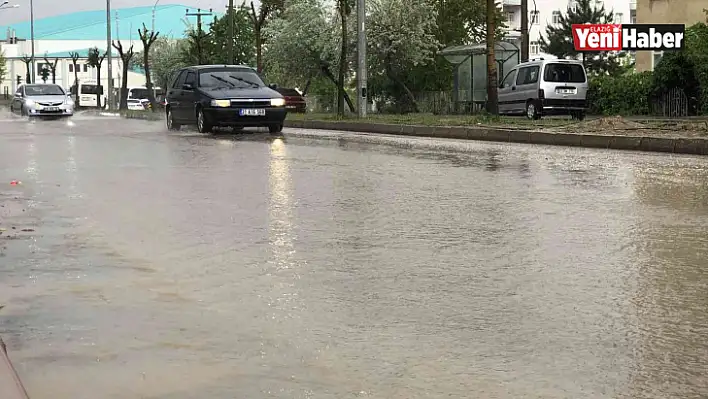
x=619, y=126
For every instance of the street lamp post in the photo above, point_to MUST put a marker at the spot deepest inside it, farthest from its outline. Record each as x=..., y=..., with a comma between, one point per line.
x=109, y=50
x=153, y=14
x=32, y=73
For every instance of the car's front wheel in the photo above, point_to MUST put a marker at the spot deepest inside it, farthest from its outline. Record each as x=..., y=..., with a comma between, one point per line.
x=275, y=128
x=203, y=125
x=171, y=125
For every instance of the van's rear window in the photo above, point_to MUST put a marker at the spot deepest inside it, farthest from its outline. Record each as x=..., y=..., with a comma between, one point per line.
x=564, y=73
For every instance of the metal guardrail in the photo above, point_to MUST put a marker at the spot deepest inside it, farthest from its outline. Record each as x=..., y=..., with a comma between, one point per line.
x=10, y=385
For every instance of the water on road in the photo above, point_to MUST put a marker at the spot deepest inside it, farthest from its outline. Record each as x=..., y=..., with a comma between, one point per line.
x=324, y=265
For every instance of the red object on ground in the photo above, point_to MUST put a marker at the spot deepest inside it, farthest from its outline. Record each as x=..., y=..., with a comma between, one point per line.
x=10, y=385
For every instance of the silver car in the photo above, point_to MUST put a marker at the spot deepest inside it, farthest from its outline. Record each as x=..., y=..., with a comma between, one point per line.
x=42, y=100
x=545, y=87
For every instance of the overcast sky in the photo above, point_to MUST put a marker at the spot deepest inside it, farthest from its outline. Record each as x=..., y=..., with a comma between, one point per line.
x=47, y=8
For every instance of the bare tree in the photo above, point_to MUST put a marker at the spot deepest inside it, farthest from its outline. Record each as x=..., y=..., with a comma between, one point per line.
x=259, y=19
x=75, y=62
x=148, y=38
x=125, y=56
x=52, y=68
x=95, y=60
x=28, y=63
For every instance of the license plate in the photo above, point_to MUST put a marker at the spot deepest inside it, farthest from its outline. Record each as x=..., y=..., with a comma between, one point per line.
x=51, y=109
x=566, y=91
x=252, y=112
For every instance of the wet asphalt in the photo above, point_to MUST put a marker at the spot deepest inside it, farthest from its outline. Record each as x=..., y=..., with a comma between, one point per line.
x=141, y=263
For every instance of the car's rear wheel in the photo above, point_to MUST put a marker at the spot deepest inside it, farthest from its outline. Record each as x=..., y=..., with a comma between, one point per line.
x=202, y=125
x=532, y=110
x=275, y=128
x=171, y=125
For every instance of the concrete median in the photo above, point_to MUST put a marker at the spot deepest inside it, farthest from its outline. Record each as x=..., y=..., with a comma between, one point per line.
x=677, y=145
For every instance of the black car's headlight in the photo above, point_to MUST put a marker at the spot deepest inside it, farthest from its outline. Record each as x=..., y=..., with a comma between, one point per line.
x=221, y=103
x=277, y=102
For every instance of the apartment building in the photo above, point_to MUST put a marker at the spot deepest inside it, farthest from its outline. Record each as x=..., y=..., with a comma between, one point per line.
x=546, y=12
x=686, y=12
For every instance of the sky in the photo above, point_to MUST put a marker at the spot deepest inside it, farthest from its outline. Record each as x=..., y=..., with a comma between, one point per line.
x=48, y=8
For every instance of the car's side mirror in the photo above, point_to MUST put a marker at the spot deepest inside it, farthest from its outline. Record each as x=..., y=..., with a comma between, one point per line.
x=187, y=86
x=273, y=86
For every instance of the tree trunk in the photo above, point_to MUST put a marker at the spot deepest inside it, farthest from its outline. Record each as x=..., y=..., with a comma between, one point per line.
x=342, y=59
x=148, y=81
x=333, y=79
x=76, y=83
x=124, y=87
x=54, y=76
x=99, y=93
x=492, y=94
x=259, y=49
x=391, y=75
x=307, y=86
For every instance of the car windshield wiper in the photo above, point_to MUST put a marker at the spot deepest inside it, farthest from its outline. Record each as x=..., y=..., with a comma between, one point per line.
x=220, y=79
x=245, y=81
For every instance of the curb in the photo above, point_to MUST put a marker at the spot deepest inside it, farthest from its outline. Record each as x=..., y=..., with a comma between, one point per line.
x=682, y=145
x=151, y=116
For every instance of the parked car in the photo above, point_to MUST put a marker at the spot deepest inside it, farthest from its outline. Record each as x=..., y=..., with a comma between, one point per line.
x=545, y=87
x=136, y=105
x=223, y=95
x=42, y=99
x=294, y=101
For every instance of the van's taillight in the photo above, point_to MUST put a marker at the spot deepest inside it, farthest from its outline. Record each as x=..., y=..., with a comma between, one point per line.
x=541, y=96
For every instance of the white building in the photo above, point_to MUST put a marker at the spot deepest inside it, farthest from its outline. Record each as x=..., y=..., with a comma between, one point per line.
x=546, y=12
x=57, y=37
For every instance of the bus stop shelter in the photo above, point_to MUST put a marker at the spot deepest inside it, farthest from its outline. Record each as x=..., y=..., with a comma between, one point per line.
x=470, y=74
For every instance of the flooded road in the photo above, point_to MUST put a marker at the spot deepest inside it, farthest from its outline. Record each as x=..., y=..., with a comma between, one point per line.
x=175, y=265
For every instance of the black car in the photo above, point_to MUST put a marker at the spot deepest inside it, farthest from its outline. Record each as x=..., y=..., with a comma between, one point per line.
x=223, y=95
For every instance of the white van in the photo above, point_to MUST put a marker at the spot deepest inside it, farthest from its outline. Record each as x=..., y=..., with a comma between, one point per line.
x=545, y=87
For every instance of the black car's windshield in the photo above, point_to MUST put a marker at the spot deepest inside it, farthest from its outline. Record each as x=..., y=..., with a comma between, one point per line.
x=564, y=73
x=229, y=78
x=43, y=90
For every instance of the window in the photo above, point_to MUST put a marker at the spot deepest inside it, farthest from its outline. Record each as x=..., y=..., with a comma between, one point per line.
x=534, y=17
x=179, y=80
x=508, y=79
x=556, y=17
x=564, y=73
x=91, y=89
x=510, y=16
x=191, y=78
x=71, y=67
x=633, y=17
x=527, y=75
x=618, y=18
x=656, y=57
x=534, y=47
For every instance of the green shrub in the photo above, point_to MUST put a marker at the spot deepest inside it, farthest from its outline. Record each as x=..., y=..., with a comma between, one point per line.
x=627, y=94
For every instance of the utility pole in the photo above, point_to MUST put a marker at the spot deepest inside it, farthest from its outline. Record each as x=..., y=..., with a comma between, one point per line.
x=109, y=50
x=361, y=57
x=199, y=14
x=524, y=30
x=230, y=13
x=32, y=72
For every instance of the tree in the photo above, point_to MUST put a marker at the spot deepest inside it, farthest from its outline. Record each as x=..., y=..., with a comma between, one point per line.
x=52, y=67
x=95, y=60
x=344, y=9
x=28, y=67
x=125, y=57
x=75, y=63
x=166, y=57
x=3, y=66
x=197, y=50
x=243, y=43
x=401, y=35
x=259, y=19
x=304, y=49
x=492, y=93
x=559, y=38
x=148, y=38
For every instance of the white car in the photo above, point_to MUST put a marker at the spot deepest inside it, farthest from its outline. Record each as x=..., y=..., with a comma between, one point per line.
x=135, y=105
x=47, y=100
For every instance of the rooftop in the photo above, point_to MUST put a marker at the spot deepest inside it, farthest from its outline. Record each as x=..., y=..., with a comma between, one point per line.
x=170, y=21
